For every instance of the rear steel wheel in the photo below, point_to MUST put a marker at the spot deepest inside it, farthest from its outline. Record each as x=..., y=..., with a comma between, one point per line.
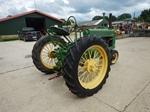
x=42, y=54
x=86, y=66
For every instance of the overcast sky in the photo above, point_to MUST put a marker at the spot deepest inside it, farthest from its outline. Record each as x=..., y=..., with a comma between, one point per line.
x=83, y=10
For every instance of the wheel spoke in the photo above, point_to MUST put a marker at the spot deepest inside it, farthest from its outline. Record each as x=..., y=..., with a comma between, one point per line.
x=95, y=54
x=48, y=61
x=44, y=58
x=44, y=52
x=51, y=61
x=81, y=62
x=83, y=58
x=87, y=78
x=81, y=70
x=92, y=76
x=46, y=47
x=84, y=55
x=50, y=46
x=89, y=54
x=82, y=74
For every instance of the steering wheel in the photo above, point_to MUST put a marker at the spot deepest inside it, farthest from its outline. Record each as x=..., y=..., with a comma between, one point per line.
x=73, y=26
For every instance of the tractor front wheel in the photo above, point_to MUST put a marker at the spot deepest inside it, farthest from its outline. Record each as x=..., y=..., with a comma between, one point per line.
x=86, y=66
x=42, y=54
x=114, y=56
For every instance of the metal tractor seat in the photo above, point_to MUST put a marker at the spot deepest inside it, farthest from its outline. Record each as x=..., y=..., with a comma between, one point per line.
x=59, y=31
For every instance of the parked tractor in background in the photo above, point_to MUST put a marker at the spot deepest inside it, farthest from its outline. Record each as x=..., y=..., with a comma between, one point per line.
x=83, y=61
x=128, y=25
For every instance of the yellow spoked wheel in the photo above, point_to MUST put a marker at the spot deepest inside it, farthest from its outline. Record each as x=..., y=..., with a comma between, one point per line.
x=86, y=66
x=46, y=55
x=42, y=54
x=114, y=56
x=93, y=71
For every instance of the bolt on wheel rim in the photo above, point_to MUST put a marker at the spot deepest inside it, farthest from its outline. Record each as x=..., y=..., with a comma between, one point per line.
x=92, y=67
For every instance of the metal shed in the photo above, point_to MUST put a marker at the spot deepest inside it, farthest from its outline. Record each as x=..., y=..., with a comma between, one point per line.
x=93, y=24
x=36, y=19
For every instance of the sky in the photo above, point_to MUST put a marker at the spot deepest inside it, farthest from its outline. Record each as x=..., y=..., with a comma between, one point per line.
x=83, y=10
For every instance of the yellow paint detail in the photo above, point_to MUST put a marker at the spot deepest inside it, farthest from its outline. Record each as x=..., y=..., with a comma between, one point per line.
x=46, y=55
x=115, y=58
x=92, y=67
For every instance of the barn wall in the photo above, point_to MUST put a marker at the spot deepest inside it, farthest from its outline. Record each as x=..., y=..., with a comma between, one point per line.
x=12, y=26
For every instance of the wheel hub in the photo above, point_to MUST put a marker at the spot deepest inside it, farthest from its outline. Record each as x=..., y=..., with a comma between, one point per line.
x=114, y=57
x=51, y=54
x=90, y=66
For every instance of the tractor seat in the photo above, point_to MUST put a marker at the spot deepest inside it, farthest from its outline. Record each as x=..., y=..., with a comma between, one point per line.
x=59, y=31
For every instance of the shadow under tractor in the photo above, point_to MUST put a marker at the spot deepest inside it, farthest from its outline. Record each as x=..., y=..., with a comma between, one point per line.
x=83, y=61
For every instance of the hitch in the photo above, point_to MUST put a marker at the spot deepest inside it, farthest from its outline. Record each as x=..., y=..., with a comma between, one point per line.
x=56, y=76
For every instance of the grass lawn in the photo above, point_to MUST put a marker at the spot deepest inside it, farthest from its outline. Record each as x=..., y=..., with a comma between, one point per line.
x=3, y=39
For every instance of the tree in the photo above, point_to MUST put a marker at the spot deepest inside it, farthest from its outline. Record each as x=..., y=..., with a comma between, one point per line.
x=64, y=23
x=138, y=19
x=124, y=16
x=145, y=14
x=114, y=18
x=97, y=18
x=69, y=22
x=9, y=16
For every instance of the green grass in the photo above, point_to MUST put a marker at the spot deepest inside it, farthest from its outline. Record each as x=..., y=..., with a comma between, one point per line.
x=8, y=39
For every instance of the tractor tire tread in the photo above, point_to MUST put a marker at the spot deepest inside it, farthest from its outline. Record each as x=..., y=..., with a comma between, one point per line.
x=71, y=62
x=36, y=53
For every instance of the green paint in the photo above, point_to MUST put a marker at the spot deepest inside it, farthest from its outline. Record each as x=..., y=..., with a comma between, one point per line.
x=108, y=35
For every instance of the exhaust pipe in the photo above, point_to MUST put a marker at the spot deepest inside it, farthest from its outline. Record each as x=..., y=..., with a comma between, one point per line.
x=110, y=21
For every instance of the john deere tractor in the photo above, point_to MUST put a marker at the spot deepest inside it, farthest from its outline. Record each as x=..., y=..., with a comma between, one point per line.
x=83, y=61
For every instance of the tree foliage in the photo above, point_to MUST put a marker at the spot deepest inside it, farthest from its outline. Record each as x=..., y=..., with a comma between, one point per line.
x=114, y=18
x=138, y=19
x=99, y=17
x=124, y=16
x=63, y=20
x=69, y=22
x=145, y=14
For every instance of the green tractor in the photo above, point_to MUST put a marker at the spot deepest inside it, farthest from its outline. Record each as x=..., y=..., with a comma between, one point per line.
x=83, y=61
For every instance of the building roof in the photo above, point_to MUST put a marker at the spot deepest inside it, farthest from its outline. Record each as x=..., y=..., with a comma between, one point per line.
x=117, y=22
x=90, y=23
x=29, y=12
